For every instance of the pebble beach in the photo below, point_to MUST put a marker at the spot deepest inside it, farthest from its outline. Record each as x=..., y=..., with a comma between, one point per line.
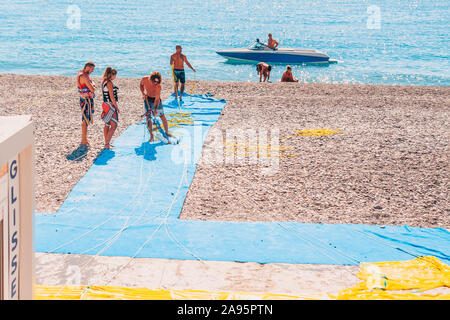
x=388, y=165
x=332, y=187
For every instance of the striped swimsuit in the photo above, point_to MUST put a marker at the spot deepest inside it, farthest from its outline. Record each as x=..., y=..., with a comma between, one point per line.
x=110, y=112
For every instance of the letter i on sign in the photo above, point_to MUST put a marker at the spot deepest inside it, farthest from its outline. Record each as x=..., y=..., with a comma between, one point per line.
x=13, y=229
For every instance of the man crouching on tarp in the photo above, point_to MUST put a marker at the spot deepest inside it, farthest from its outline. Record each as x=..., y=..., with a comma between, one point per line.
x=151, y=90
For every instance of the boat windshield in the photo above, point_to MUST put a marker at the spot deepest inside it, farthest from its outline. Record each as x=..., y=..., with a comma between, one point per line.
x=257, y=46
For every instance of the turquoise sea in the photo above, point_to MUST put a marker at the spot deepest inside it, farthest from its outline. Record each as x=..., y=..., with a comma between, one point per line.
x=376, y=41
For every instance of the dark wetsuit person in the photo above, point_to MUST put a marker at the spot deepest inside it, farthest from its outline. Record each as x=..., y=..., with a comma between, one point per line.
x=177, y=61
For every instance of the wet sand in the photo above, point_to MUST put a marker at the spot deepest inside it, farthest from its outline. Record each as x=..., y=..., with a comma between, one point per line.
x=301, y=280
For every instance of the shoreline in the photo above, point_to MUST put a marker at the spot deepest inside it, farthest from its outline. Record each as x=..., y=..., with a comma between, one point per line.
x=420, y=111
x=165, y=78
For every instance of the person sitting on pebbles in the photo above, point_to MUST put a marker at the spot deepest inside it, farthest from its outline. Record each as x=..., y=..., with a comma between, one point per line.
x=263, y=68
x=287, y=75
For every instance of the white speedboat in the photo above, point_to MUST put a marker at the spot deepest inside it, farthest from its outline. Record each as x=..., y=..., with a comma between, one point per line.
x=260, y=52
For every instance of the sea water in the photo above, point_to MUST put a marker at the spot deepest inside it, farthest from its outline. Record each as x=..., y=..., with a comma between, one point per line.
x=375, y=41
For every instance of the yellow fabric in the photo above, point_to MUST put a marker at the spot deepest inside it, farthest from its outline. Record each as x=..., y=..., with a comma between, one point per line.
x=41, y=99
x=258, y=149
x=395, y=280
x=177, y=119
x=403, y=280
x=321, y=132
x=120, y=293
x=193, y=84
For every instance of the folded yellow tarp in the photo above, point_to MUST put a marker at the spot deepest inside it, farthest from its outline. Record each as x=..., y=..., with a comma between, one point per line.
x=403, y=280
x=121, y=293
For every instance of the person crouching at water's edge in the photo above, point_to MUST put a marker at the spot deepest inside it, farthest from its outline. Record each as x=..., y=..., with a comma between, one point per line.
x=263, y=69
x=110, y=114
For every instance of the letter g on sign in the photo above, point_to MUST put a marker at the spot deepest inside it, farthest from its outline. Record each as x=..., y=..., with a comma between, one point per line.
x=13, y=169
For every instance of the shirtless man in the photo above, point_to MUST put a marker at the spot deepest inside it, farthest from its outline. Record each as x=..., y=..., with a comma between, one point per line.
x=177, y=61
x=287, y=75
x=86, y=90
x=151, y=91
x=272, y=43
x=263, y=68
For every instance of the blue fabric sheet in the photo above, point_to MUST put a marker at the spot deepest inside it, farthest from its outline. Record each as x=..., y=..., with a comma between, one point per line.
x=129, y=202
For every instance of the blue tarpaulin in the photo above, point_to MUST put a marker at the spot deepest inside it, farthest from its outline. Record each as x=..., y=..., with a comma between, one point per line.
x=129, y=202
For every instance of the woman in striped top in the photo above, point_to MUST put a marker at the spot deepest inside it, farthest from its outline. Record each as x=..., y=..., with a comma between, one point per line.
x=110, y=114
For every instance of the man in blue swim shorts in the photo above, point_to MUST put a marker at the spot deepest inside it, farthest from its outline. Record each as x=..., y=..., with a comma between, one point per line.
x=177, y=61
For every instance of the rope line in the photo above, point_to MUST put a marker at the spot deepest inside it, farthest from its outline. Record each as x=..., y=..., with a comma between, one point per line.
x=297, y=233
x=130, y=260
x=114, y=237
x=193, y=85
x=365, y=233
x=327, y=246
x=175, y=86
x=111, y=240
x=34, y=101
x=136, y=195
